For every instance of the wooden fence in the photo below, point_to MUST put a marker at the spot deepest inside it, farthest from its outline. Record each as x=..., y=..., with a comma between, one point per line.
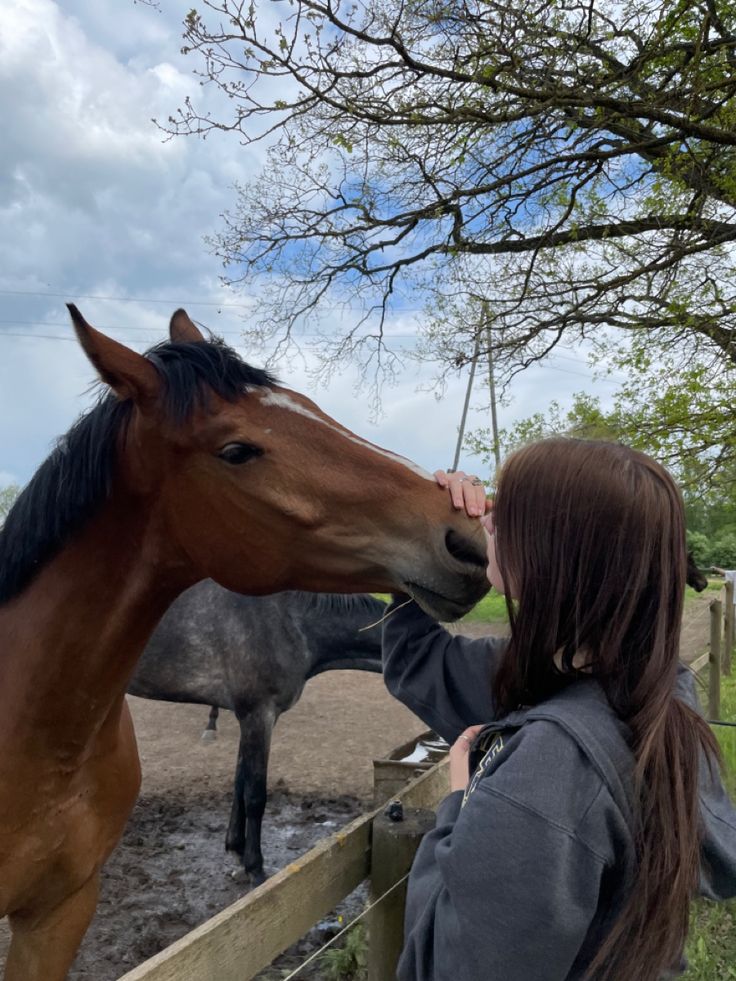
x=245, y=937
x=720, y=651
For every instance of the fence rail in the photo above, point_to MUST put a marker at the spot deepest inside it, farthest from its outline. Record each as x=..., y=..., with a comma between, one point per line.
x=245, y=937
x=720, y=651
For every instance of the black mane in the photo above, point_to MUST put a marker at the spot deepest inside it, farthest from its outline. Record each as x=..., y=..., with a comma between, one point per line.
x=78, y=474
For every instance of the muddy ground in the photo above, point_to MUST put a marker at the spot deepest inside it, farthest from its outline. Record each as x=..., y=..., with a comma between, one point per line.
x=171, y=871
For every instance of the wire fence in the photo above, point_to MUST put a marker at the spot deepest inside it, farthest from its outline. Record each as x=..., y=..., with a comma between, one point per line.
x=246, y=938
x=371, y=847
x=717, y=658
x=317, y=954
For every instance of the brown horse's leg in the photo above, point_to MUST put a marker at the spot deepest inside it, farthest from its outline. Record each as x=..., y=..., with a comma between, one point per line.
x=43, y=948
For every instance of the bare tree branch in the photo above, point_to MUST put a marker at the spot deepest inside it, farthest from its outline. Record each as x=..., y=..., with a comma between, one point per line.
x=573, y=162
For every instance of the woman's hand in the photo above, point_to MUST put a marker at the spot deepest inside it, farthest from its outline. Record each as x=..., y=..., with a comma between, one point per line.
x=459, y=752
x=466, y=491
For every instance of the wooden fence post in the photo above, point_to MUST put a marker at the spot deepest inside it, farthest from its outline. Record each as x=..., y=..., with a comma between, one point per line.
x=729, y=615
x=394, y=845
x=714, y=661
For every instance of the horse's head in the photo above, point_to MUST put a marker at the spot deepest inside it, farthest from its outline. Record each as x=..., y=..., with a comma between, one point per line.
x=254, y=486
x=695, y=578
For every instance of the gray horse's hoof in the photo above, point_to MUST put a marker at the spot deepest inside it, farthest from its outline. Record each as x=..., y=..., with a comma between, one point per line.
x=258, y=878
x=209, y=735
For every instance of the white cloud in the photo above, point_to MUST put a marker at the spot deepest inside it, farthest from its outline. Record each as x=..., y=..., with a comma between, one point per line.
x=94, y=201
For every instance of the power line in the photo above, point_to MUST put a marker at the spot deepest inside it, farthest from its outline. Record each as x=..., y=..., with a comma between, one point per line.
x=179, y=302
x=130, y=327
x=43, y=337
x=191, y=303
x=66, y=324
x=52, y=323
x=124, y=299
x=30, y=336
x=117, y=327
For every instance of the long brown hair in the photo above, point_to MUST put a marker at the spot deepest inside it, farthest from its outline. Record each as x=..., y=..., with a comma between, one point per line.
x=591, y=535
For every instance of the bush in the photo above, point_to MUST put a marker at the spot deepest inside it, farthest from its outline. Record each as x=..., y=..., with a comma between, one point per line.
x=347, y=963
x=723, y=551
x=699, y=545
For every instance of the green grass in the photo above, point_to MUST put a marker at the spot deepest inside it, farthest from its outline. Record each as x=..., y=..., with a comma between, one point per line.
x=727, y=736
x=714, y=586
x=491, y=609
x=347, y=962
x=711, y=948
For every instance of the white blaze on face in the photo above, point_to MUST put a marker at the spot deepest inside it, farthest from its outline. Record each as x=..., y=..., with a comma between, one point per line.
x=282, y=400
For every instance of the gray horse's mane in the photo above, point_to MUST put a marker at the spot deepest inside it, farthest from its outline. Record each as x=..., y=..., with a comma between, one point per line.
x=335, y=603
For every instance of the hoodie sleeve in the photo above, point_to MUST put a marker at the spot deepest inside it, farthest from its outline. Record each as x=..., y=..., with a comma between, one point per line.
x=718, y=815
x=498, y=893
x=443, y=678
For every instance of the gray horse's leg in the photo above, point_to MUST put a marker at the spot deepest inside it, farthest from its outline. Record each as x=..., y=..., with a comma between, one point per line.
x=210, y=733
x=235, y=838
x=249, y=792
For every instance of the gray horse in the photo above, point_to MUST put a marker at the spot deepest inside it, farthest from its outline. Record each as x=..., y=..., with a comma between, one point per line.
x=253, y=655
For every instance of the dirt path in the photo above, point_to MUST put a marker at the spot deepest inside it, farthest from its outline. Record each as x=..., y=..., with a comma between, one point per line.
x=695, y=637
x=326, y=744
x=171, y=872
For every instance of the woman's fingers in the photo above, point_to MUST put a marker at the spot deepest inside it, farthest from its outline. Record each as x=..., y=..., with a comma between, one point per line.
x=467, y=737
x=466, y=492
x=475, y=496
x=459, y=774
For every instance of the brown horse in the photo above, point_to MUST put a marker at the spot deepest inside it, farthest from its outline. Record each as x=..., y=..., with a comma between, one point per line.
x=194, y=465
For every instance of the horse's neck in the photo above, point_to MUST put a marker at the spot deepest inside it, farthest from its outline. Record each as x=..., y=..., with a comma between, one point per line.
x=70, y=639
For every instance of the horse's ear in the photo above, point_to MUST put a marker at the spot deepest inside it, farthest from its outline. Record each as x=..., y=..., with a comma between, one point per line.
x=182, y=330
x=128, y=373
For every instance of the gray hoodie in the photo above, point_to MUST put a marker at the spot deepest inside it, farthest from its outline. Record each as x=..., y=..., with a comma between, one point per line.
x=525, y=873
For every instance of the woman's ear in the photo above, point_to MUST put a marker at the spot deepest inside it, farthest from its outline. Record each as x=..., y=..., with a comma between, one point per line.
x=128, y=373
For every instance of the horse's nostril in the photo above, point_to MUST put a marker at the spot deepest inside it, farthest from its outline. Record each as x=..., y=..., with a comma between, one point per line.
x=465, y=549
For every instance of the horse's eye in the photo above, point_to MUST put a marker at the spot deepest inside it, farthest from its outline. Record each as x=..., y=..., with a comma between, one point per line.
x=239, y=452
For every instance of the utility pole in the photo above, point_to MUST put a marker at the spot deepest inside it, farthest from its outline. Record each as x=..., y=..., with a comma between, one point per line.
x=461, y=431
x=492, y=387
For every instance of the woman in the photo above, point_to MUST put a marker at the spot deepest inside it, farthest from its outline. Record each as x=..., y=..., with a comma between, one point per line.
x=586, y=808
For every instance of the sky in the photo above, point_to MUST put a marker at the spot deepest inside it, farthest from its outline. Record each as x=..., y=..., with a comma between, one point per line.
x=97, y=207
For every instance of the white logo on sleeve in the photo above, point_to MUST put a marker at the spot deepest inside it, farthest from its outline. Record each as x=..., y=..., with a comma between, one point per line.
x=495, y=747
